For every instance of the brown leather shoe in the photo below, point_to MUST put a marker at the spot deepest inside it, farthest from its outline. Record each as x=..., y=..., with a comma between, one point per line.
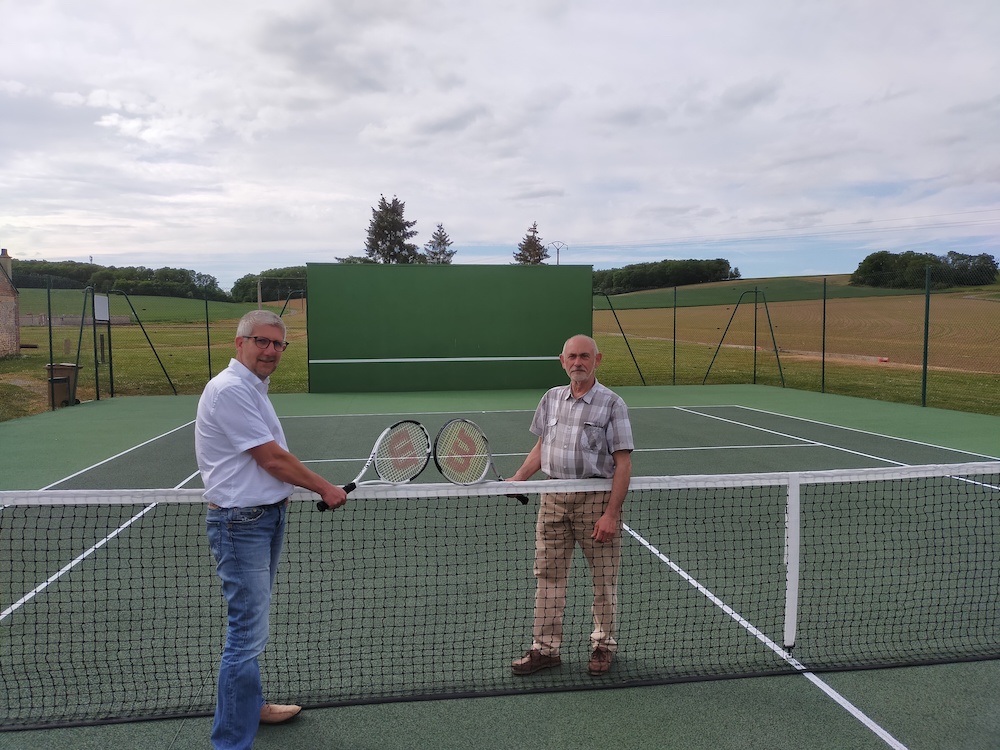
x=275, y=713
x=600, y=661
x=532, y=661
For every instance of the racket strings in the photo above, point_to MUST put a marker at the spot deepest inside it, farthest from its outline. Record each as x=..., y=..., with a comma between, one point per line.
x=402, y=453
x=462, y=453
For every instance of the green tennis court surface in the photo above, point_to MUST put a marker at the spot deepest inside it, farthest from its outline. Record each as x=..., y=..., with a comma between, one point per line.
x=733, y=546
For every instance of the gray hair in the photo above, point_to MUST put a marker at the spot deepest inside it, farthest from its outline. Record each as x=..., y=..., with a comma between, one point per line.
x=256, y=318
x=589, y=340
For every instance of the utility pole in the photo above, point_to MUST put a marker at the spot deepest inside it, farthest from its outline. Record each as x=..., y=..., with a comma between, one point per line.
x=558, y=246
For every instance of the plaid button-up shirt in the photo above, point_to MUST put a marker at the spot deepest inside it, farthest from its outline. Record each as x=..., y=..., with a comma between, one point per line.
x=580, y=434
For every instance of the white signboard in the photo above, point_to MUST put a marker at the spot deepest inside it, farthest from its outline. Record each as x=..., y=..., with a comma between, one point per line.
x=101, y=313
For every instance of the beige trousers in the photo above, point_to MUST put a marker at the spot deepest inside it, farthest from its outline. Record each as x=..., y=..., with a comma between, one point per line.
x=564, y=521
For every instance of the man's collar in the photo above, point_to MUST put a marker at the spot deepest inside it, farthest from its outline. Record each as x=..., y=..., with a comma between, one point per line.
x=587, y=397
x=245, y=373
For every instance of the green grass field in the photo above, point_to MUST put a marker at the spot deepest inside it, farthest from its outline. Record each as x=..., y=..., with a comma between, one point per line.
x=169, y=351
x=149, y=309
x=784, y=289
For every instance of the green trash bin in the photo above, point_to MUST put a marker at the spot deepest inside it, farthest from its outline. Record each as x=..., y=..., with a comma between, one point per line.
x=62, y=383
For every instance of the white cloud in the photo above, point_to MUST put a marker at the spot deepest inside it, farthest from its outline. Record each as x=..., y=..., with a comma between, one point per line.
x=231, y=137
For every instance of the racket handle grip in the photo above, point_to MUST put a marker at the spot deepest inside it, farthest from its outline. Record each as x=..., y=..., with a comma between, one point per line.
x=348, y=488
x=522, y=498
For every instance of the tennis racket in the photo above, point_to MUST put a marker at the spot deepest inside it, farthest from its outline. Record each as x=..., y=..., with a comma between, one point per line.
x=399, y=455
x=462, y=454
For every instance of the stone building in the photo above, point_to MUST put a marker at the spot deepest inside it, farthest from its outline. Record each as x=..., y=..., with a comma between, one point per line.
x=10, y=323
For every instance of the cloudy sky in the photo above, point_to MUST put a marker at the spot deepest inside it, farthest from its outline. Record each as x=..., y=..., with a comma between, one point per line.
x=234, y=136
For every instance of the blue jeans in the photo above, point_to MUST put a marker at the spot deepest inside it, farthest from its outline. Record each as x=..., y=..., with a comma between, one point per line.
x=246, y=544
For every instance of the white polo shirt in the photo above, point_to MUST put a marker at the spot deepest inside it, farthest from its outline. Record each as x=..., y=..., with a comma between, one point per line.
x=234, y=415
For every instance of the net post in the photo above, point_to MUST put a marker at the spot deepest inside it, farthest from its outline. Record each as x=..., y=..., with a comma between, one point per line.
x=792, y=538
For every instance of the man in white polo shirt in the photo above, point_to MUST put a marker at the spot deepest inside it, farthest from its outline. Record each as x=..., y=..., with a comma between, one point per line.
x=248, y=475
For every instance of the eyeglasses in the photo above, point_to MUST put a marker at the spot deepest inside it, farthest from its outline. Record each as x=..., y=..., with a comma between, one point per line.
x=263, y=342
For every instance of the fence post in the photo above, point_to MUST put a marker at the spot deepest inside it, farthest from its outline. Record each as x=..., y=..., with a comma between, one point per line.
x=93, y=333
x=822, y=366
x=673, y=343
x=48, y=302
x=927, y=322
x=208, y=338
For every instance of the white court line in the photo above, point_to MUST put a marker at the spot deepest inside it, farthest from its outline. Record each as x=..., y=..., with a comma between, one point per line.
x=413, y=413
x=803, y=440
x=690, y=409
x=685, y=449
x=866, y=432
x=430, y=360
x=119, y=455
x=80, y=558
x=756, y=633
x=521, y=454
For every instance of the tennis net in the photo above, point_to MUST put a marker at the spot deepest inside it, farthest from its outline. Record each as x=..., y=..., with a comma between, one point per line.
x=111, y=611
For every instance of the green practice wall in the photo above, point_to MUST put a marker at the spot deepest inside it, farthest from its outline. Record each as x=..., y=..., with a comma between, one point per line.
x=442, y=327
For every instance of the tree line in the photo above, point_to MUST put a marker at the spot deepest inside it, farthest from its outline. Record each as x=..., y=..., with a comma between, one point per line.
x=282, y=283
x=272, y=284
x=663, y=274
x=389, y=240
x=132, y=280
x=910, y=270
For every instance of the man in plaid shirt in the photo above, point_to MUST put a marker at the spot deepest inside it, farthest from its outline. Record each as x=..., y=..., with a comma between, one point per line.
x=583, y=431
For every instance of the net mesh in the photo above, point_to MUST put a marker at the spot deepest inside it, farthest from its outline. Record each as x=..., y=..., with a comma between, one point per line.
x=111, y=610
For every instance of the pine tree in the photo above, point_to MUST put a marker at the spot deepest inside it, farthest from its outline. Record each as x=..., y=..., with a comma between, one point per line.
x=531, y=251
x=388, y=233
x=437, y=248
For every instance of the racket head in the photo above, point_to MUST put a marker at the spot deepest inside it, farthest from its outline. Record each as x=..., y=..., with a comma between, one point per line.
x=402, y=452
x=462, y=452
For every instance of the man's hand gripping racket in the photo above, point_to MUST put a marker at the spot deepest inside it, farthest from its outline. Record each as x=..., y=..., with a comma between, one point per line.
x=462, y=454
x=399, y=455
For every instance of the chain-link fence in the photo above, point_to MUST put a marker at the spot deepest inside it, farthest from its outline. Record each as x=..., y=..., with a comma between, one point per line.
x=85, y=346
x=936, y=347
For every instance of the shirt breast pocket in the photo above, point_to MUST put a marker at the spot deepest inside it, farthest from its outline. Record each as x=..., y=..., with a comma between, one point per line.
x=592, y=437
x=549, y=435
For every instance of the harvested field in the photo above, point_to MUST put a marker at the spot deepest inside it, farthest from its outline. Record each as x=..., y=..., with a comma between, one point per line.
x=963, y=332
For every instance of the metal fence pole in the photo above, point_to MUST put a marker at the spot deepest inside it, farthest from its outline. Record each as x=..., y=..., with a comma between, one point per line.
x=927, y=321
